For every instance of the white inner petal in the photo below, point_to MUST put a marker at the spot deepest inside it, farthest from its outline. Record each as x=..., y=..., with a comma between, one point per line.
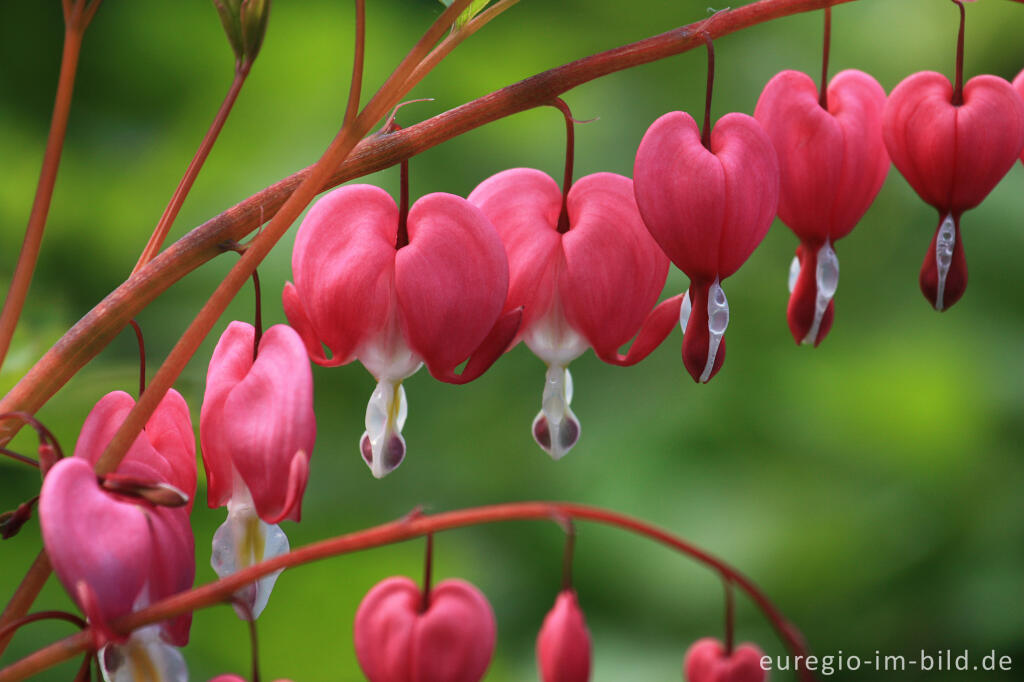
x=555, y=428
x=145, y=657
x=243, y=540
x=826, y=277
x=718, y=321
x=382, y=444
x=684, y=311
x=944, y=243
x=794, y=273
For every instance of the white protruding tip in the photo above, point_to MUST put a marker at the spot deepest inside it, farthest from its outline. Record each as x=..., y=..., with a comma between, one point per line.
x=944, y=243
x=794, y=273
x=685, y=308
x=718, y=320
x=382, y=445
x=826, y=277
x=555, y=428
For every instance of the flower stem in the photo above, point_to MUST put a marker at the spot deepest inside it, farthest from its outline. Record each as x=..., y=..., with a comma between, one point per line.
x=570, y=150
x=826, y=48
x=958, y=87
x=76, y=20
x=730, y=616
x=25, y=595
x=142, y=355
x=705, y=135
x=257, y=321
x=567, y=554
x=428, y=573
x=162, y=228
x=399, y=531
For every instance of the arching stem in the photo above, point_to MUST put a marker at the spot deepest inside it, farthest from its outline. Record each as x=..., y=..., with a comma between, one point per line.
x=15, y=625
x=570, y=151
x=142, y=355
x=826, y=48
x=19, y=457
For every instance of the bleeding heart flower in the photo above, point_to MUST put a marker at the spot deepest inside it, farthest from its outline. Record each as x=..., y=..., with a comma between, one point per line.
x=706, y=661
x=257, y=430
x=708, y=208
x=952, y=155
x=832, y=162
x=592, y=284
x=563, y=645
x=367, y=295
x=399, y=639
x=114, y=550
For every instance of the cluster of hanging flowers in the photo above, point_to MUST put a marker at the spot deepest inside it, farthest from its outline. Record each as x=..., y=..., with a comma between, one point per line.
x=452, y=281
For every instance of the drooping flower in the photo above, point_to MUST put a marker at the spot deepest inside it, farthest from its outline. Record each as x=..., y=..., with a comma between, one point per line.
x=257, y=430
x=708, y=209
x=953, y=155
x=589, y=285
x=394, y=298
x=563, y=645
x=114, y=550
x=707, y=661
x=398, y=638
x=832, y=162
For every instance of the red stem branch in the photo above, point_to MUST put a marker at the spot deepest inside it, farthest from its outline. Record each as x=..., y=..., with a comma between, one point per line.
x=399, y=531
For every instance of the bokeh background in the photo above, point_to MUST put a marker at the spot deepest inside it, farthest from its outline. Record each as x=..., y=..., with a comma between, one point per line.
x=872, y=486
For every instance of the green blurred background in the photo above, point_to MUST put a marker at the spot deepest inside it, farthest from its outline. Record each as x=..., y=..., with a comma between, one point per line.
x=872, y=486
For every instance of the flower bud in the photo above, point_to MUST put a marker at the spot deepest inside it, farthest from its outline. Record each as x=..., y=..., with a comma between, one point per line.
x=563, y=645
x=245, y=22
x=706, y=661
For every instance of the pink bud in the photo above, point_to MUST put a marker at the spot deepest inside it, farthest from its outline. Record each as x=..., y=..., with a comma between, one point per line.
x=706, y=661
x=952, y=155
x=708, y=209
x=563, y=645
x=257, y=420
x=831, y=165
x=396, y=640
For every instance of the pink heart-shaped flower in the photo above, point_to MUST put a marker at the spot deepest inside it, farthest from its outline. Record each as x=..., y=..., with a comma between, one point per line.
x=708, y=209
x=706, y=661
x=397, y=640
x=952, y=155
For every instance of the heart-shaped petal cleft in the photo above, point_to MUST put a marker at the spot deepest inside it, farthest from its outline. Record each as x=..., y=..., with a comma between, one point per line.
x=431, y=292
x=708, y=209
x=832, y=163
x=953, y=155
x=593, y=284
x=451, y=639
x=707, y=661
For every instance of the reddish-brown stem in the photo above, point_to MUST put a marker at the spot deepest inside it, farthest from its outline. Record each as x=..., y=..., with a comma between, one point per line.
x=257, y=321
x=19, y=457
x=254, y=646
x=570, y=150
x=25, y=594
x=396, y=86
x=958, y=86
x=567, y=555
x=11, y=628
x=163, y=227
x=399, y=531
x=730, y=616
x=75, y=25
x=705, y=135
x=94, y=331
x=142, y=355
x=428, y=573
x=403, y=204
x=46, y=437
x=826, y=48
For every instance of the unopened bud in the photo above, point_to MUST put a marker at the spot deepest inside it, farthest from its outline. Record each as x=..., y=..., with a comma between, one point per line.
x=245, y=22
x=12, y=521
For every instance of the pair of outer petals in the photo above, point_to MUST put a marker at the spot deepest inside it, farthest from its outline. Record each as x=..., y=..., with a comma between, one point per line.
x=707, y=661
x=439, y=296
x=602, y=276
x=115, y=554
x=563, y=644
x=708, y=209
x=452, y=640
x=257, y=420
x=832, y=163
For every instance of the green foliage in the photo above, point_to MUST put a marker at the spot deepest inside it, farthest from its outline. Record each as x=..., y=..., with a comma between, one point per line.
x=474, y=8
